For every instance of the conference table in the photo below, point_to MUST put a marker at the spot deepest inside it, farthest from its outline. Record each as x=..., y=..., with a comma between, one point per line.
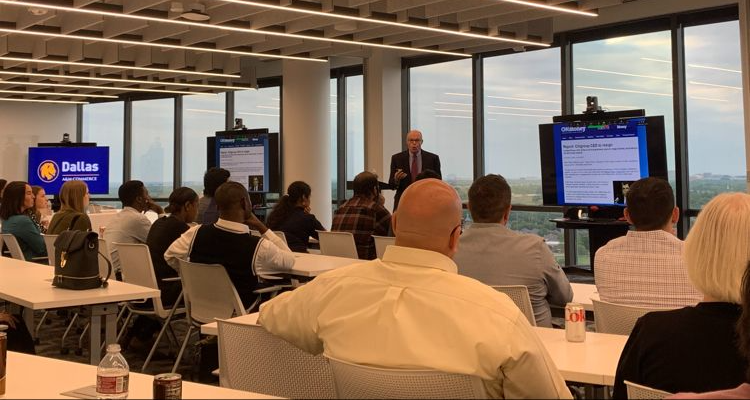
x=29, y=285
x=592, y=362
x=34, y=377
x=311, y=265
x=583, y=293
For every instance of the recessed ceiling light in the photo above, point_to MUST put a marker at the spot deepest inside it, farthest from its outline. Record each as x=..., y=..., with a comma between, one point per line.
x=197, y=12
x=45, y=101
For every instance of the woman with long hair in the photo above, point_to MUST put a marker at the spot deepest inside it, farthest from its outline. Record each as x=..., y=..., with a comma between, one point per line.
x=74, y=199
x=17, y=198
x=292, y=216
x=40, y=209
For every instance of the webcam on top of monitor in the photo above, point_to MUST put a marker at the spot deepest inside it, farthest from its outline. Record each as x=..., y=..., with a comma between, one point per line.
x=592, y=105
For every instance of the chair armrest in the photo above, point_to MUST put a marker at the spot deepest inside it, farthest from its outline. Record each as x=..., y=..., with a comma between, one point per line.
x=270, y=289
x=172, y=279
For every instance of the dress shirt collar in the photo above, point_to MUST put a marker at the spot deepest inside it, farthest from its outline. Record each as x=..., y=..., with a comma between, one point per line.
x=655, y=234
x=414, y=257
x=489, y=225
x=232, y=226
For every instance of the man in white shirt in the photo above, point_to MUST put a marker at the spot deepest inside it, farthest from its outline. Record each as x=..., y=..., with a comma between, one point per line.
x=130, y=225
x=493, y=254
x=645, y=267
x=412, y=310
x=228, y=242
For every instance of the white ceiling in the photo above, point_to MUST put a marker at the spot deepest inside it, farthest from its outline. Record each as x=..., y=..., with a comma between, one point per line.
x=481, y=17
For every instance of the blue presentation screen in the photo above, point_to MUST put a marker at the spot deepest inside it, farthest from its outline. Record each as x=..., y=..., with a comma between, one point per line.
x=50, y=167
x=597, y=163
x=246, y=159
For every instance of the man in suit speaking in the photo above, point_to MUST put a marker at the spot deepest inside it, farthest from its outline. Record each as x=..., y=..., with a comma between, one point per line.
x=406, y=165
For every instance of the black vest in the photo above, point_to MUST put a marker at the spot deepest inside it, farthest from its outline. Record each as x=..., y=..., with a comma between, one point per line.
x=235, y=251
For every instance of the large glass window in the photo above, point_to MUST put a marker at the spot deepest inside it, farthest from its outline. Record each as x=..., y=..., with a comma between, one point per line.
x=104, y=123
x=202, y=116
x=334, y=139
x=152, y=155
x=516, y=101
x=440, y=104
x=355, y=126
x=539, y=223
x=259, y=108
x=626, y=73
x=716, y=138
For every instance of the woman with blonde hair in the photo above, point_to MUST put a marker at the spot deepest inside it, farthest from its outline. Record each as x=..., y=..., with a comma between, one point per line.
x=74, y=199
x=695, y=349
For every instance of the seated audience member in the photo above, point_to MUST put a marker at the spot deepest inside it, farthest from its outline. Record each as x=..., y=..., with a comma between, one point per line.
x=212, y=179
x=17, y=198
x=130, y=225
x=291, y=215
x=74, y=199
x=694, y=349
x=228, y=242
x=182, y=209
x=19, y=338
x=363, y=215
x=427, y=174
x=495, y=255
x=39, y=210
x=645, y=268
x=743, y=330
x=412, y=310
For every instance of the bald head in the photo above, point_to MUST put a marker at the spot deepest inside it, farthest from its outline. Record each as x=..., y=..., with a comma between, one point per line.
x=429, y=217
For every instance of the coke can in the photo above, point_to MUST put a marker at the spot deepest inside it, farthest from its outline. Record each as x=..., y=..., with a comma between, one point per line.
x=168, y=386
x=575, y=323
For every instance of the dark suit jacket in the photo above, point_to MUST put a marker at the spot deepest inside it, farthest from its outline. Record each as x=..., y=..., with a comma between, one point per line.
x=401, y=161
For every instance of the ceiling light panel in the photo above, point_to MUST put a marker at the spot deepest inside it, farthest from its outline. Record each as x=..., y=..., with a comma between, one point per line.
x=102, y=88
x=61, y=94
x=113, y=66
x=128, y=81
x=537, y=4
x=44, y=101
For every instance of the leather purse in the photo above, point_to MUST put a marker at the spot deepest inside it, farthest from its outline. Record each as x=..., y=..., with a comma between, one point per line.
x=77, y=260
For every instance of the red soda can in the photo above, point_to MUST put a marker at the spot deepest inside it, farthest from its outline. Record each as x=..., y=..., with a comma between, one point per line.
x=575, y=323
x=168, y=386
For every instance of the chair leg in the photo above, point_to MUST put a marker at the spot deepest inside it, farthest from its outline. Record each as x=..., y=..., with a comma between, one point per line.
x=182, y=348
x=156, y=344
x=67, y=330
x=124, y=326
x=39, y=325
x=83, y=335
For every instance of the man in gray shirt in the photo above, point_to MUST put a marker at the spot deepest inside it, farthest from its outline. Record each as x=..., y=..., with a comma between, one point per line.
x=495, y=255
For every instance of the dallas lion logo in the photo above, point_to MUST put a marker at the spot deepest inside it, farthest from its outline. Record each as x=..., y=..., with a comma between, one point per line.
x=48, y=171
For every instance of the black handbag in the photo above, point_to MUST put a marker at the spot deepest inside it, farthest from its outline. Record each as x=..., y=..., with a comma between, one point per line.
x=77, y=260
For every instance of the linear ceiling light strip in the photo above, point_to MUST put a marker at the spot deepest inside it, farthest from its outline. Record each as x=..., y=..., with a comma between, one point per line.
x=45, y=101
x=226, y=28
x=384, y=22
x=160, y=45
x=537, y=4
x=103, y=88
x=119, y=80
x=61, y=94
x=85, y=64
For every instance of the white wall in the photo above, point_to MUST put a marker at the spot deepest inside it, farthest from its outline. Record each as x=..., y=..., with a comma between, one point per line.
x=23, y=125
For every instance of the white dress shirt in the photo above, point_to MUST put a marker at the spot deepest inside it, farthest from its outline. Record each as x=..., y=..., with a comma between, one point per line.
x=129, y=226
x=412, y=310
x=272, y=253
x=644, y=269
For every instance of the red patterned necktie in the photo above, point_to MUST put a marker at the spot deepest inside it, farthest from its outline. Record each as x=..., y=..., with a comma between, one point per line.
x=414, y=167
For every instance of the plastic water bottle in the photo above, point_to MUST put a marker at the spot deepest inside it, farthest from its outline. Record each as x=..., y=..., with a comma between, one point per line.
x=112, y=375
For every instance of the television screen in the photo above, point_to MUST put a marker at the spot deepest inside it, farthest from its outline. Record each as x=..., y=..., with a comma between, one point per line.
x=251, y=159
x=594, y=163
x=50, y=167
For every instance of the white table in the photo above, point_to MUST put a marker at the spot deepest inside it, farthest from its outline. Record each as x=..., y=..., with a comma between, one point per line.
x=312, y=265
x=213, y=327
x=593, y=361
x=33, y=377
x=30, y=285
x=583, y=293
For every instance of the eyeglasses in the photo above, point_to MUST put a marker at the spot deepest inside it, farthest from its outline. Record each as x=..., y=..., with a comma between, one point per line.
x=414, y=140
